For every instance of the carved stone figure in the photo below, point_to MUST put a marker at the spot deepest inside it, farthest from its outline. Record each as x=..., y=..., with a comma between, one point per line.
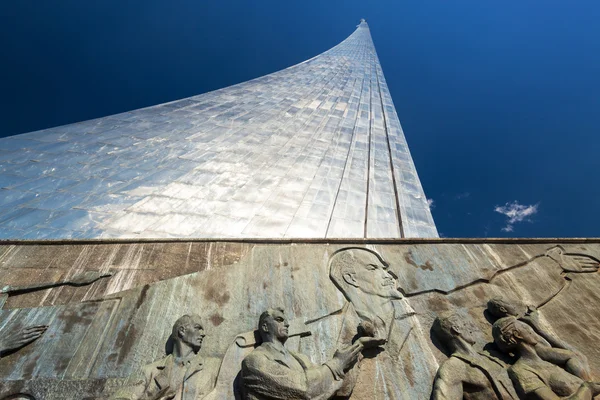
x=467, y=374
x=548, y=346
x=374, y=301
x=231, y=363
x=534, y=377
x=273, y=372
x=181, y=375
x=81, y=279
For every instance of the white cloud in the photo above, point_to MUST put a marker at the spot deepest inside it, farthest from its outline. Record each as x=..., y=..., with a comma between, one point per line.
x=516, y=213
x=461, y=196
x=508, y=228
x=431, y=204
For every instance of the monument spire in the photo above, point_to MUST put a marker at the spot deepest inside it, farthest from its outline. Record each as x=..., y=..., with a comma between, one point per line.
x=314, y=150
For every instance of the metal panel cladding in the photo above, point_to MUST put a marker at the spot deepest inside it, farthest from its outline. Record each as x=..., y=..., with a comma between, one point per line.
x=315, y=150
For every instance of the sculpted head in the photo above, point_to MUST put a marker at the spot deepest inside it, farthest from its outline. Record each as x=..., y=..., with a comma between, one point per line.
x=273, y=325
x=509, y=333
x=501, y=308
x=359, y=271
x=189, y=331
x=450, y=327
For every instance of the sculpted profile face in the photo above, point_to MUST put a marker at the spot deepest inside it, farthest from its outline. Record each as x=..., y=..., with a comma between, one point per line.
x=501, y=308
x=509, y=333
x=189, y=330
x=450, y=327
x=273, y=325
x=365, y=271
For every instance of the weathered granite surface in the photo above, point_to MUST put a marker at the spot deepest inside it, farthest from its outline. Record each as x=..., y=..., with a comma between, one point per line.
x=100, y=335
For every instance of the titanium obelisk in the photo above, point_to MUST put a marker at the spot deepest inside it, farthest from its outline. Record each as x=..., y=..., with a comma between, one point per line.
x=315, y=150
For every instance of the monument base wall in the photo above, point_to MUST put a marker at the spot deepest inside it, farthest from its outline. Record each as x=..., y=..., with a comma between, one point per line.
x=108, y=309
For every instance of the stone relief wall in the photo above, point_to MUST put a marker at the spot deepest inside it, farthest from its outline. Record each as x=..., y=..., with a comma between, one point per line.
x=442, y=320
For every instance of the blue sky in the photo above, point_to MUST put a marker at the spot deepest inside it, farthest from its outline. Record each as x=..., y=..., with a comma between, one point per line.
x=500, y=101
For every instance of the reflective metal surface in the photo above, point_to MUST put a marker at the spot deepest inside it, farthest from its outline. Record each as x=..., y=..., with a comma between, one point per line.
x=315, y=150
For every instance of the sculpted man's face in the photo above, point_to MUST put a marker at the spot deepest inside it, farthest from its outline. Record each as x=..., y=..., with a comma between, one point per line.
x=193, y=334
x=372, y=277
x=505, y=308
x=277, y=326
x=525, y=333
x=465, y=331
x=510, y=333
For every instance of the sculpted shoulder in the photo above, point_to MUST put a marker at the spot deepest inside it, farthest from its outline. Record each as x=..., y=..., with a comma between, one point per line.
x=256, y=358
x=156, y=365
x=452, y=369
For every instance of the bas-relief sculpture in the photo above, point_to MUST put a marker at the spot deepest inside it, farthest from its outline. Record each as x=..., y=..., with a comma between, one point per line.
x=467, y=373
x=181, y=375
x=384, y=347
x=376, y=305
x=536, y=377
x=548, y=347
x=542, y=350
x=573, y=262
x=13, y=340
x=373, y=300
x=273, y=372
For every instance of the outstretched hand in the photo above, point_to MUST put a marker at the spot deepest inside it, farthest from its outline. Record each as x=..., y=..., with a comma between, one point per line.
x=580, y=263
x=368, y=334
x=345, y=358
x=16, y=339
x=348, y=355
x=573, y=262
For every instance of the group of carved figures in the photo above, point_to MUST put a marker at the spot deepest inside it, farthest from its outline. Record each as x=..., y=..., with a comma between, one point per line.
x=377, y=329
x=271, y=371
x=545, y=368
x=376, y=323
